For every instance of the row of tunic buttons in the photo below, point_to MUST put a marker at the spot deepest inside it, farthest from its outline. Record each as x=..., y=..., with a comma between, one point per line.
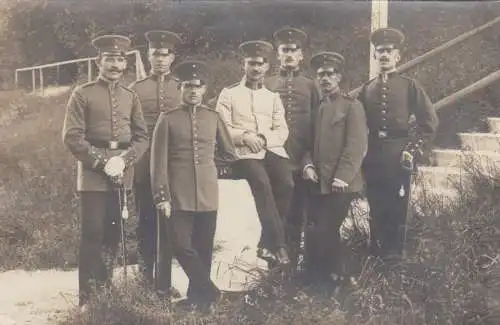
x=162, y=95
x=384, y=105
x=289, y=104
x=114, y=107
x=195, y=140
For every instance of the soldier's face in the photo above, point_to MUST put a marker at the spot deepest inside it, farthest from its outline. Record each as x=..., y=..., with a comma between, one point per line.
x=387, y=56
x=290, y=56
x=160, y=59
x=255, y=68
x=112, y=66
x=192, y=92
x=329, y=80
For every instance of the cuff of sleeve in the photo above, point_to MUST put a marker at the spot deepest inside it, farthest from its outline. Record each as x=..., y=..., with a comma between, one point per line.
x=99, y=159
x=129, y=157
x=162, y=194
x=341, y=181
x=307, y=166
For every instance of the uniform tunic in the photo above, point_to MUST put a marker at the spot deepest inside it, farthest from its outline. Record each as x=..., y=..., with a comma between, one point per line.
x=339, y=144
x=300, y=97
x=103, y=111
x=157, y=94
x=257, y=110
x=183, y=171
x=389, y=105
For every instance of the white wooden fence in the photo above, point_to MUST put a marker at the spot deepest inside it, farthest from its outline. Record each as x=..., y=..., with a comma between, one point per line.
x=139, y=70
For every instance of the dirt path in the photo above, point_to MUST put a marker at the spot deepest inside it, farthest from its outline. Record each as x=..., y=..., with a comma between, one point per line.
x=40, y=297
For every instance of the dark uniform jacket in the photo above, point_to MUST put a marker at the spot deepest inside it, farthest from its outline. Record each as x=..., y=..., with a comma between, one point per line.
x=389, y=104
x=183, y=170
x=300, y=97
x=99, y=112
x=156, y=96
x=339, y=143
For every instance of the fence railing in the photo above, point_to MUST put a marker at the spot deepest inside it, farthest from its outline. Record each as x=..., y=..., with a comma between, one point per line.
x=445, y=46
x=139, y=70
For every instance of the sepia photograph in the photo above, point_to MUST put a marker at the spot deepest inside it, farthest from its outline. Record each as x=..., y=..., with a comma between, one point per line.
x=168, y=162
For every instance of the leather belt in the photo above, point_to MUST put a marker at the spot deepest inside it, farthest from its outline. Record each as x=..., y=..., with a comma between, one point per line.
x=114, y=145
x=389, y=134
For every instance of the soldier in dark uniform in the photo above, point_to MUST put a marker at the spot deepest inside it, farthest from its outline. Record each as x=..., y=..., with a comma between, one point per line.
x=184, y=178
x=332, y=165
x=300, y=97
x=390, y=100
x=158, y=93
x=105, y=130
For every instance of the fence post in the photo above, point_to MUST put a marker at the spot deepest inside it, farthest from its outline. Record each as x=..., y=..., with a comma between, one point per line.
x=58, y=74
x=33, y=80
x=89, y=70
x=16, y=81
x=41, y=82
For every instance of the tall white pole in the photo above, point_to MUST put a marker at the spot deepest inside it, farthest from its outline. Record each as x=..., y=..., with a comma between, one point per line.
x=379, y=19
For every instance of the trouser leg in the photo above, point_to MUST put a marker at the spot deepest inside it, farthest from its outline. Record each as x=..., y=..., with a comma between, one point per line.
x=272, y=233
x=100, y=234
x=182, y=227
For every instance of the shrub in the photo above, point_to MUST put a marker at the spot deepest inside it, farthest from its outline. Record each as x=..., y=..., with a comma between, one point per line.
x=450, y=276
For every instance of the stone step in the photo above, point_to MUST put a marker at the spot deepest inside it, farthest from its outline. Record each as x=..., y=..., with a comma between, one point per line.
x=438, y=176
x=457, y=158
x=494, y=124
x=480, y=141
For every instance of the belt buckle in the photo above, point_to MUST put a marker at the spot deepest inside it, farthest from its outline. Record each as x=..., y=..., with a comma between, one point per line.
x=382, y=134
x=113, y=145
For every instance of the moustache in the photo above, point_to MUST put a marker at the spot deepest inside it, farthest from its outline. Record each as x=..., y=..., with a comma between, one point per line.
x=115, y=70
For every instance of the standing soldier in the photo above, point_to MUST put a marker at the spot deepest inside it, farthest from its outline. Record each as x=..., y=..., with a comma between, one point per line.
x=256, y=120
x=158, y=93
x=300, y=97
x=184, y=178
x=105, y=130
x=332, y=166
x=390, y=100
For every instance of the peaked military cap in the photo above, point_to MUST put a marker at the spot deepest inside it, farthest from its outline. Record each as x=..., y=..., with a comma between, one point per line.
x=163, y=39
x=117, y=44
x=193, y=71
x=290, y=35
x=386, y=36
x=256, y=49
x=327, y=60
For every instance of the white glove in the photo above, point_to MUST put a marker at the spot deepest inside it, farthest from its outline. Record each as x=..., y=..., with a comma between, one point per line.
x=339, y=185
x=115, y=166
x=165, y=207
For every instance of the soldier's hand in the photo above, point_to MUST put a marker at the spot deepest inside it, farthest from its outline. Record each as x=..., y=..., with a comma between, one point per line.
x=310, y=174
x=115, y=166
x=407, y=160
x=254, y=142
x=339, y=185
x=165, y=208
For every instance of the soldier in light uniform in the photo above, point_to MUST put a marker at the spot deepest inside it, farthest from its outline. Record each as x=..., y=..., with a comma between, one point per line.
x=390, y=100
x=105, y=130
x=158, y=93
x=332, y=166
x=184, y=177
x=255, y=117
x=300, y=97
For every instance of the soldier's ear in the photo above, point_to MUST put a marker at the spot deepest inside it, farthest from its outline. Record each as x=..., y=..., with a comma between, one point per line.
x=98, y=60
x=397, y=56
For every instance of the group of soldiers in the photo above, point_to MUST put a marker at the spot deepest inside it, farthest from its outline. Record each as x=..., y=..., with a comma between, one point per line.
x=304, y=146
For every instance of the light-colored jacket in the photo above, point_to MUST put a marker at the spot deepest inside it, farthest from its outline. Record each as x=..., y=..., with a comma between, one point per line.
x=254, y=110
